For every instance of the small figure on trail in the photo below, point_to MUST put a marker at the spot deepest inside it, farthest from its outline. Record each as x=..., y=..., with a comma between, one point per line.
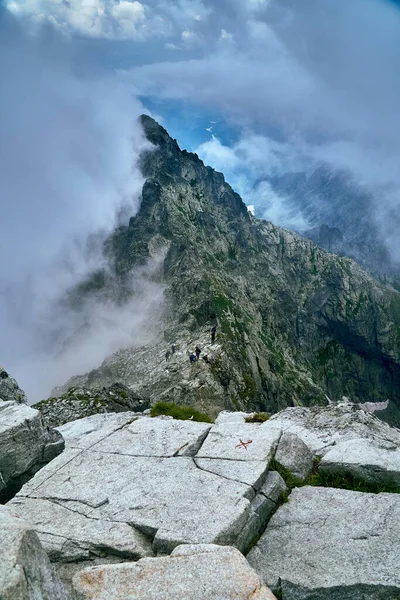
x=205, y=358
x=173, y=348
x=167, y=355
x=192, y=358
x=198, y=352
x=213, y=333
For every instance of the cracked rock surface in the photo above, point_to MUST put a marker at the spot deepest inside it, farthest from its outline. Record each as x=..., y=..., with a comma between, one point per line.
x=129, y=487
x=202, y=572
x=26, y=444
x=132, y=486
x=332, y=544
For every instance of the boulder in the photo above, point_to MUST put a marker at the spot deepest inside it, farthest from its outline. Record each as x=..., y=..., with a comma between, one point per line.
x=129, y=487
x=332, y=544
x=203, y=572
x=9, y=388
x=293, y=454
x=26, y=444
x=25, y=570
x=376, y=463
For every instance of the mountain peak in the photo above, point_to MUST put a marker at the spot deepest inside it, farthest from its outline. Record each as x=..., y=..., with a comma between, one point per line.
x=154, y=132
x=295, y=324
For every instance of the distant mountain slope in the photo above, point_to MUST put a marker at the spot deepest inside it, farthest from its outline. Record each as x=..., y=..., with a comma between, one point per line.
x=340, y=214
x=294, y=323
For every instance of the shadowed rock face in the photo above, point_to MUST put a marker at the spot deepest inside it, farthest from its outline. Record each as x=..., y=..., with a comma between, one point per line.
x=26, y=444
x=25, y=570
x=294, y=323
x=9, y=388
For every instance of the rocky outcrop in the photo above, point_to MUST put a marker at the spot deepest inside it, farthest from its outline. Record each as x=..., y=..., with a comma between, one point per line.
x=349, y=442
x=77, y=403
x=294, y=323
x=331, y=544
x=25, y=570
x=130, y=487
x=203, y=572
x=9, y=388
x=26, y=444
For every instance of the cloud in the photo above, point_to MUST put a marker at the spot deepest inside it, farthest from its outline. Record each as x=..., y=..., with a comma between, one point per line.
x=68, y=174
x=114, y=19
x=317, y=76
x=129, y=16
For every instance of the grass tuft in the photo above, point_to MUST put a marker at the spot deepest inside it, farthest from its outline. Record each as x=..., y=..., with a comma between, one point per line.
x=347, y=481
x=321, y=478
x=184, y=413
x=260, y=417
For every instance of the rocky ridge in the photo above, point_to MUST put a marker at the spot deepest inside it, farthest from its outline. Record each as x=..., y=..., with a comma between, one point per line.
x=295, y=324
x=341, y=216
x=77, y=403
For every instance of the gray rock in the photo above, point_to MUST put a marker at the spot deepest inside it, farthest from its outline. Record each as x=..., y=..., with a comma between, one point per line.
x=376, y=463
x=226, y=416
x=9, y=388
x=157, y=437
x=26, y=444
x=224, y=441
x=348, y=440
x=322, y=427
x=25, y=570
x=85, y=432
x=273, y=487
x=252, y=473
x=127, y=488
x=331, y=544
x=204, y=572
x=294, y=455
x=69, y=535
x=262, y=507
x=80, y=402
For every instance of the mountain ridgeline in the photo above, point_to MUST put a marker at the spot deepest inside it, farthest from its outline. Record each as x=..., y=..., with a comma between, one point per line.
x=341, y=215
x=295, y=325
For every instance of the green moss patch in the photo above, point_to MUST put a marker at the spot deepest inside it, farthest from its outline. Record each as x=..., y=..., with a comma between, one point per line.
x=347, y=481
x=260, y=417
x=184, y=413
x=321, y=478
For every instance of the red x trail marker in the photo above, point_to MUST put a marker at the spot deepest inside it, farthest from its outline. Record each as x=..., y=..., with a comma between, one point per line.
x=244, y=444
